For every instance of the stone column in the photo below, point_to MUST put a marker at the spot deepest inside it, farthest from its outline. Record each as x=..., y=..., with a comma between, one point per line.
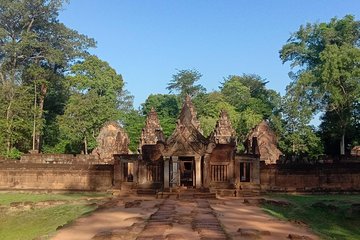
x=206, y=173
x=256, y=171
x=117, y=174
x=166, y=173
x=136, y=172
x=198, y=171
x=175, y=176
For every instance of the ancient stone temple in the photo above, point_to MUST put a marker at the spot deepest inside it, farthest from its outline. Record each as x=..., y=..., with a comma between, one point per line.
x=111, y=140
x=187, y=159
x=266, y=143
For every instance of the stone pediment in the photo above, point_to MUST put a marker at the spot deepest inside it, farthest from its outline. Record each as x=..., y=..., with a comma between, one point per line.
x=267, y=142
x=112, y=139
x=187, y=138
x=152, y=132
x=223, y=133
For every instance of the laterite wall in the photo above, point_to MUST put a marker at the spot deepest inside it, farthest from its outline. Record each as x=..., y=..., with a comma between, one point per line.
x=30, y=176
x=309, y=178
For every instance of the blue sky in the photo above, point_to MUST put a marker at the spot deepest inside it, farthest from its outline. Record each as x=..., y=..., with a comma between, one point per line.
x=146, y=41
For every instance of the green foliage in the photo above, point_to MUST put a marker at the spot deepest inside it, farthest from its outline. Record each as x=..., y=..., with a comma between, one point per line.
x=297, y=137
x=41, y=221
x=133, y=122
x=167, y=107
x=328, y=77
x=331, y=216
x=15, y=129
x=252, y=101
x=184, y=81
x=208, y=108
x=95, y=88
x=35, y=51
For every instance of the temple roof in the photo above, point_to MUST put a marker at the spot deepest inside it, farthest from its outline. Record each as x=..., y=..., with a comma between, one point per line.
x=267, y=142
x=152, y=132
x=223, y=132
x=187, y=138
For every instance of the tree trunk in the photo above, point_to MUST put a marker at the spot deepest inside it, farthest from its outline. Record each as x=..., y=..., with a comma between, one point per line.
x=85, y=146
x=8, y=120
x=43, y=91
x=342, y=144
x=34, y=123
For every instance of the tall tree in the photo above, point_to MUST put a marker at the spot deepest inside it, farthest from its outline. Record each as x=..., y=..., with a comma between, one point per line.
x=208, y=106
x=167, y=107
x=327, y=57
x=31, y=35
x=96, y=88
x=298, y=138
x=251, y=99
x=184, y=83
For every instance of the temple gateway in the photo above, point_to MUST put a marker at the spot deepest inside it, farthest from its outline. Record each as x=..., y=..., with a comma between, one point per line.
x=187, y=159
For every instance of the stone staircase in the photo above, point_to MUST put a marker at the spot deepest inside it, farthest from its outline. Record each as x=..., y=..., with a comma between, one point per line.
x=249, y=190
x=187, y=193
x=244, y=190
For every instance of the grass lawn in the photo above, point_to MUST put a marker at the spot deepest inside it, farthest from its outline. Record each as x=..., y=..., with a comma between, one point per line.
x=35, y=221
x=331, y=216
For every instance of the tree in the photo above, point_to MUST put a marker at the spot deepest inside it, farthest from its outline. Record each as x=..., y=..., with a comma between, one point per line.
x=16, y=126
x=133, y=122
x=31, y=35
x=252, y=101
x=96, y=88
x=327, y=57
x=184, y=81
x=208, y=106
x=167, y=107
x=298, y=138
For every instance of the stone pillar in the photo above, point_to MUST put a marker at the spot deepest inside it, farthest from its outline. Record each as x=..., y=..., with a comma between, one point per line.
x=198, y=172
x=231, y=171
x=206, y=173
x=166, y=173
x=136, y=172
x=175, y=176
x=256, y=171
x=117, y=174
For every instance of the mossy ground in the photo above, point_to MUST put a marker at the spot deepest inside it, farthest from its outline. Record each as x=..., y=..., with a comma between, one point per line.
x=41, y=221
x=331, y=216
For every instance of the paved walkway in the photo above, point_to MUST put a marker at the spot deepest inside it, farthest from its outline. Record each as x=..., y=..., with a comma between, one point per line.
x=171, y=219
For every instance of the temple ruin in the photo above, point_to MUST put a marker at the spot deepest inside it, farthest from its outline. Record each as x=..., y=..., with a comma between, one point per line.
x=187, y=159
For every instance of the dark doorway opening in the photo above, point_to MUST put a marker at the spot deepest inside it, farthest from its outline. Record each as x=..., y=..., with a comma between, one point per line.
x=245, y=171
x=128, y=172
x=186, y=171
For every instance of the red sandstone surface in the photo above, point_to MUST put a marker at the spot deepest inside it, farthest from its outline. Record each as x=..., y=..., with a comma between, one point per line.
x=149, y=218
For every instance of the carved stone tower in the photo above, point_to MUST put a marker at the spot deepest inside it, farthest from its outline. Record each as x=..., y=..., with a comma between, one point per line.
x=152, y=132
x=224, y=132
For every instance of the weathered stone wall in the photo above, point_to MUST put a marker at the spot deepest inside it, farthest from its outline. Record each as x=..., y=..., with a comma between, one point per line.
x=308, y=178
x=60, y=159
x=30, y=176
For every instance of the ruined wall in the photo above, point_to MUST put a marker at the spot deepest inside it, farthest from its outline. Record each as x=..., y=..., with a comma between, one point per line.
x=308, y=178
x=30, y=176
x=222, y=153
x=60, y=159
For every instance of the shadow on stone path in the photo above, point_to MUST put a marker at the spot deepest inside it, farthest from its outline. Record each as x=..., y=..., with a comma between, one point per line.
x=168, y=222
x=174, y=219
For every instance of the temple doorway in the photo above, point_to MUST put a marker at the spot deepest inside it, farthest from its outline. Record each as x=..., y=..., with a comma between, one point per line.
x=245, y=168
x=187, y=172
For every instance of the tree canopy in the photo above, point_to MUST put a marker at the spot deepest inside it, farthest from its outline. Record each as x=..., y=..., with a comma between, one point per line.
x=327, y=56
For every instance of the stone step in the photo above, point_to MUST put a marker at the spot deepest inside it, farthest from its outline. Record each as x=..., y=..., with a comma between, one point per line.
x=146, y=191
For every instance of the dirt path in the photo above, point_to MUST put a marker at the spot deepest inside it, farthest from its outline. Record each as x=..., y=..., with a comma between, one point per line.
x=171, y=219
x=247, y=221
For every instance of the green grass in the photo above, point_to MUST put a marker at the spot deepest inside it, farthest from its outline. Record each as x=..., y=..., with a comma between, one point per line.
x=7, y=198
x=328, y=215
x=29, y=223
